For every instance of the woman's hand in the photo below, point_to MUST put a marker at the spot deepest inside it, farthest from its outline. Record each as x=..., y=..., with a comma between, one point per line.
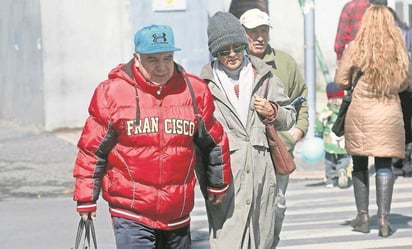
x=263, y=106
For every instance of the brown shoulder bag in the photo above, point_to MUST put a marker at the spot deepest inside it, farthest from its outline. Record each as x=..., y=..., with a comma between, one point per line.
x=281, y=158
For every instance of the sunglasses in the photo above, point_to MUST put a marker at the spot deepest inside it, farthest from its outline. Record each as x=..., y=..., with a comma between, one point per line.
x=224, y=53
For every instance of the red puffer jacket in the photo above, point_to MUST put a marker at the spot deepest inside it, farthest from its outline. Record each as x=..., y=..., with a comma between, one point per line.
x=138, y=147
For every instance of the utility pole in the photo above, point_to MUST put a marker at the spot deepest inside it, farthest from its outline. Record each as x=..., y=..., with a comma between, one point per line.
x=310, y=62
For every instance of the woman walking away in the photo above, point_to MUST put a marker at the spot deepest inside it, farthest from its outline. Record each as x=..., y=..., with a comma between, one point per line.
x=374, y=124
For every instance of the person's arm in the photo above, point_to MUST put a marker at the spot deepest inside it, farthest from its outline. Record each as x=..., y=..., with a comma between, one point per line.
x=319, y=128
x=342, y=33
x=343, y=75
x=97, y=139
x=285, y=113
x=214, y=145
x=299, y=89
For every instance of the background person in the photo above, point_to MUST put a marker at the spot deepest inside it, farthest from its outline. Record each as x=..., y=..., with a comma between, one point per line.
x=257, y=26
x=374, y=124
x=137, y=146
x=246, y=218
x=337, y=160
x=348, y=25
x=406, y=103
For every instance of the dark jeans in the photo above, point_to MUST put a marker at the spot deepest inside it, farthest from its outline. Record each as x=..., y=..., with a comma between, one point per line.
x=133, y=235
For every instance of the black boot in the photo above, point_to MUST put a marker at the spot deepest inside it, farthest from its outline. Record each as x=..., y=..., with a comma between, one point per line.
x=361, y=189
x=384, y=190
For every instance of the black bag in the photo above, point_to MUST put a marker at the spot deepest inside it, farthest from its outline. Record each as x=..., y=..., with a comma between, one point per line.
x=339, y=126
x=88, y=228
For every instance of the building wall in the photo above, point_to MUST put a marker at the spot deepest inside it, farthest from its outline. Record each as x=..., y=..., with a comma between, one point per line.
x=189, y=28
x=53, y=53
x=21, y=62
x=82, y=42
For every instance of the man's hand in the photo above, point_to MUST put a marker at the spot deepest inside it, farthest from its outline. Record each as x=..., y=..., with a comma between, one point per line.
x=216, y=199
x=296, y=133
x=85, y=216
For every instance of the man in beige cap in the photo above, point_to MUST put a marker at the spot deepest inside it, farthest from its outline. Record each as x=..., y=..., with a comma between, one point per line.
x=257, y=25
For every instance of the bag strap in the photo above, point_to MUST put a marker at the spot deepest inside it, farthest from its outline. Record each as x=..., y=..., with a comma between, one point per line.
x=192, y=92
x=88, y=228
x=355, y=81
x=91, y=225
x=194, y=102
x=264, y=88
x=79, y=234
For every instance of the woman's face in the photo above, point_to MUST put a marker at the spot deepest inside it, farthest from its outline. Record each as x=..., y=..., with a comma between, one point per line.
x=231, y=56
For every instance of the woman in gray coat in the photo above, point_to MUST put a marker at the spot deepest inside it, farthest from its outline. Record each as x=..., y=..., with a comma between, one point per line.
x=246, y=218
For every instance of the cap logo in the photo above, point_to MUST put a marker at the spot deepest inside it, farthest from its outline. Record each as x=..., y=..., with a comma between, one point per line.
x=156, y=37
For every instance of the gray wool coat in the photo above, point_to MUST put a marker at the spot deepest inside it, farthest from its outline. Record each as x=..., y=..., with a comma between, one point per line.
x=246, y=218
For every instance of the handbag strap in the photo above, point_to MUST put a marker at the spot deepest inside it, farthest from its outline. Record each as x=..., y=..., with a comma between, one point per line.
x=194, y=103
x=355, y=81
x=264, y=88
x=79, y=234
x=263, y=92
x=87, y=227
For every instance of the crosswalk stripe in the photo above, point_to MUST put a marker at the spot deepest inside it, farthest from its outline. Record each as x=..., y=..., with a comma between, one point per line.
x=371, y=243
x=323, y=210
x=319, y=218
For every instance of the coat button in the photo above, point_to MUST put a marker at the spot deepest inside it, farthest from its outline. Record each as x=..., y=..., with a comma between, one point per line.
x=248, y=202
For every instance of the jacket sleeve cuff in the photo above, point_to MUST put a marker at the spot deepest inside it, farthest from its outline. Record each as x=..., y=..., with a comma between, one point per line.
x=86, y=207
x=218, y=191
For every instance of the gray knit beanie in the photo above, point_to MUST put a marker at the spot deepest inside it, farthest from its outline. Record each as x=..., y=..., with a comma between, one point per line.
x=224, y=29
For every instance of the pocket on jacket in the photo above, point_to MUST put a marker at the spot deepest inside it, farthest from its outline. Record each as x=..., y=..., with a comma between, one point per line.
x=258, y=137
x=234, y=141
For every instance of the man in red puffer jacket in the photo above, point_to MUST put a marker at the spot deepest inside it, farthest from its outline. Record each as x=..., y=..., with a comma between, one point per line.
x=138, y=146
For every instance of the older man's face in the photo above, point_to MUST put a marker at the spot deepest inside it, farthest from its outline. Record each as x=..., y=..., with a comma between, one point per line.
x=157, y=68
x=258, y=39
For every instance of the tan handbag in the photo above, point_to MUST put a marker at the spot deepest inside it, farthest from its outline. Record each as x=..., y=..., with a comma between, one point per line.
x=281, y=158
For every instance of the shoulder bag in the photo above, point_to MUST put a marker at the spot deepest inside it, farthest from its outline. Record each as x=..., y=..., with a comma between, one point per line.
x=339, y=126
x=281, y=158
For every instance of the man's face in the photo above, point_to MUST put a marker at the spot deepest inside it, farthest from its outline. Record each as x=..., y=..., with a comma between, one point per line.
x=157, y=68
x=258, y=39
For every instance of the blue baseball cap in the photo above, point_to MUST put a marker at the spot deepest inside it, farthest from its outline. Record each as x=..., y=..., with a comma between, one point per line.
x=154, y=39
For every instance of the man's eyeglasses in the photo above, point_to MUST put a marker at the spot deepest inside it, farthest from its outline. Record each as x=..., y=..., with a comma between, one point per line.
x=224, y=53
